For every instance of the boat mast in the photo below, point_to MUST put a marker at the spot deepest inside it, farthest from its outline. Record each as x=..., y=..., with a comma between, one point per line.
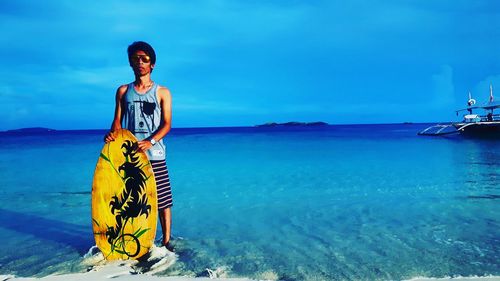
x=491, y=93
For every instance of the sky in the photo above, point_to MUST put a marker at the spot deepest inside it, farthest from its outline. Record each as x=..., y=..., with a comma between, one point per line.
x=242, y=63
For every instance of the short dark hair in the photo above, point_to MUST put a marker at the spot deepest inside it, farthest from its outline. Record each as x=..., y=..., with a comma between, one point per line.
x=141, y=46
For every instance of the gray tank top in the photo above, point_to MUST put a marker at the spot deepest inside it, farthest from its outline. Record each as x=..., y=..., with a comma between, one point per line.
x=142, y=116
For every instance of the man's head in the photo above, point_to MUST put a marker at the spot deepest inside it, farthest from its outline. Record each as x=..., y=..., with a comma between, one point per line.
x=142, y=48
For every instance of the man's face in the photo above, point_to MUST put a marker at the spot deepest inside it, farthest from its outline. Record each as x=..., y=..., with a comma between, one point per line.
x=141, y=63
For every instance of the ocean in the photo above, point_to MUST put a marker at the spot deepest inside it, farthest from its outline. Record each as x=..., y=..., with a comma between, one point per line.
x=344, y=202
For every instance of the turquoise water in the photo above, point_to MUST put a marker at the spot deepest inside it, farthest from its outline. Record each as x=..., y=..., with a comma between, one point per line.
x=324, y=203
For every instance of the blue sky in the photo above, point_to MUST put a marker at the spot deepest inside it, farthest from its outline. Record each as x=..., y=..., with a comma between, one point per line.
x=237, y=63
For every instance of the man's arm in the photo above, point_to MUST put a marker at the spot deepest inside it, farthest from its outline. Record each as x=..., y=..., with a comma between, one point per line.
x=165, y=99
x=117, y=120
x=166, y=113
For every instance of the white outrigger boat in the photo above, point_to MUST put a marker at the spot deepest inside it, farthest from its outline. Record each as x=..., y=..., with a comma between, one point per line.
x=486, y=125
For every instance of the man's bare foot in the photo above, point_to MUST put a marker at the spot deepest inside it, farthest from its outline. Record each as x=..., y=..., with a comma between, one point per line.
x=169, y=246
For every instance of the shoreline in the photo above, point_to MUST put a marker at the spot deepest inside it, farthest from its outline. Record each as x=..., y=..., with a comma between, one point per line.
x=125, y=273
x=160, y=260
x=116, y=271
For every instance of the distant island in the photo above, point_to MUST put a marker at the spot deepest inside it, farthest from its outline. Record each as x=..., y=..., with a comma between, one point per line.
x=290, y=124
x=31, y=130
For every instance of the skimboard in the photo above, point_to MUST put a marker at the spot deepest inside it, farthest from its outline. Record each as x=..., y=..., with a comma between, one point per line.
x=124, y=199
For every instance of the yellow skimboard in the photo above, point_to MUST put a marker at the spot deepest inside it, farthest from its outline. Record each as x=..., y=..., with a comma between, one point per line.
x=124, y=199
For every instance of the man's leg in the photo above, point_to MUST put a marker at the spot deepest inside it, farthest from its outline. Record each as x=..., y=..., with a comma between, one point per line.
x=166, y=223
x=164, y=199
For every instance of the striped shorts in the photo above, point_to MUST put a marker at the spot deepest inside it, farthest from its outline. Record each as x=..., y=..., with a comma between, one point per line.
x=162, y=184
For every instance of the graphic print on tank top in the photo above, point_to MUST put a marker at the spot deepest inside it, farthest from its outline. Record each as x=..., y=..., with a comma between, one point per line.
x=141, y=113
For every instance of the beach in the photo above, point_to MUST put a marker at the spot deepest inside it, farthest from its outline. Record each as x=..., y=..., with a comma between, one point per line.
x=114, y=272
x=125, y=273
x=101, y=270
x=158, y=259
x=353, y=202
x=118, y=274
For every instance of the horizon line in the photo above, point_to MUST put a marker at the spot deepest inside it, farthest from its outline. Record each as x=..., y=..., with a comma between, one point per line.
x=244, y=126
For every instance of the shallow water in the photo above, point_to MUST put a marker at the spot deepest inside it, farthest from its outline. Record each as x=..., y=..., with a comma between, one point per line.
x=321, y=203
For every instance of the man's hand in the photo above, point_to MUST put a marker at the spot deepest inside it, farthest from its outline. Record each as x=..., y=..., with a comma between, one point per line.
x=144, y=145
x=110, y=136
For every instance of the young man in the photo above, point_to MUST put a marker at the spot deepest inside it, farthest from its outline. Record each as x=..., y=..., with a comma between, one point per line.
x=145, y=108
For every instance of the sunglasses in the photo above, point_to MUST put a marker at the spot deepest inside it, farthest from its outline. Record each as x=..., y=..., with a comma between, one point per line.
x=140, y=58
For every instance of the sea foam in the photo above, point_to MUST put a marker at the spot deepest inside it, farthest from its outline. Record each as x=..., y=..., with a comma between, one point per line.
x=158, y=259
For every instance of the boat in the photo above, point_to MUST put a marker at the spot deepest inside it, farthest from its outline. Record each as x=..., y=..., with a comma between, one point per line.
x=473, y=124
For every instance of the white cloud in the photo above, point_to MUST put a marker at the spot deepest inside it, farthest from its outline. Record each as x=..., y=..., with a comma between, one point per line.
x=482, y=89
